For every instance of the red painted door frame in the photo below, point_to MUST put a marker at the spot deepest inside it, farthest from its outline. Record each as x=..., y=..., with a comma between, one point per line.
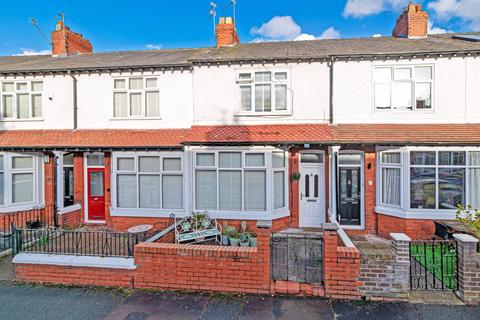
x=96, y=202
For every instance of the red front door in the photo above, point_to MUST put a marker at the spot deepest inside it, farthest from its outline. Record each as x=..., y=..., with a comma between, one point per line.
x=96, y=194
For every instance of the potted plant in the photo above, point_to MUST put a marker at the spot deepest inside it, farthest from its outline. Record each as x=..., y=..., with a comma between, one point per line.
x=296, y=176
x=244, y=239
x=253, y=239
x=226, y=233
x=234, y=239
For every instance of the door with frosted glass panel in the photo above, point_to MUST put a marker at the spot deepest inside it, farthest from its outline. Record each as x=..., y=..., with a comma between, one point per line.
x=96, y=194
x=312, y=204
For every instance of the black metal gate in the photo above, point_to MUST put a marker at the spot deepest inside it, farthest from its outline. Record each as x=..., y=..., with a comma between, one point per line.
x=433, y=265
x=297, y=257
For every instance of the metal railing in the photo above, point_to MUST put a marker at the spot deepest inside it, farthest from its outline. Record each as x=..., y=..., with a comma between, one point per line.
x=31, y=219
x=76, y=242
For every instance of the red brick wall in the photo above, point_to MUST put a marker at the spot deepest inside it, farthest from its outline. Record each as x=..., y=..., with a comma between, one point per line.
x=74, y=275
x=64, y=41
x=341, y=269
x=414, y=228
x=71, y=219
x=208, y=268
x=226, y=34
x=412, y=23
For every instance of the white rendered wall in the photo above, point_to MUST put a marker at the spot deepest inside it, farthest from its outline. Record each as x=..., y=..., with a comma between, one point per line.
x=216, y=96
x=95, y=102
x=56, y=105
x=456, y=93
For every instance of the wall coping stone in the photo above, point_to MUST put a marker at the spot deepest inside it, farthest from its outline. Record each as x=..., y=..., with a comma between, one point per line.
x=74, y=261
x=462, y=237
x=329, y=226
x=400, y=237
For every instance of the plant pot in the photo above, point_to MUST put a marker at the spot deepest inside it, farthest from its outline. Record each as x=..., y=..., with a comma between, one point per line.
x=253, y=242
x=244, y=243
x=234, y=242
x=225, y=240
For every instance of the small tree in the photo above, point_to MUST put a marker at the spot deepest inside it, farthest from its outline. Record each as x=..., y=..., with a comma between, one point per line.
x=470, y=219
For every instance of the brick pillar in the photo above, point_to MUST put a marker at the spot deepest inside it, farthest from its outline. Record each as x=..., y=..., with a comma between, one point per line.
x=401, y=251
x=468, y=268
x=263, y=247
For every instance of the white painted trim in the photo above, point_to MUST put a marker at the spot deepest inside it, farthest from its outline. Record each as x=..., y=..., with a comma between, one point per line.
x=420, y=214
x=72, y=208
x=75, y=261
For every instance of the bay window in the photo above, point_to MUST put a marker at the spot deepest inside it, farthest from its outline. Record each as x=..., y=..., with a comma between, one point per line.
x=21, y=100
x=232, y=180
x=136, y=97
x=263, y=92
x=403, y=87
x=149, y=180
x=435, y=179
x=19, y=181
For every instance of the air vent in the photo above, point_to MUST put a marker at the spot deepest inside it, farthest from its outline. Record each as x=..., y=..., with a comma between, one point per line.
x=467, y=37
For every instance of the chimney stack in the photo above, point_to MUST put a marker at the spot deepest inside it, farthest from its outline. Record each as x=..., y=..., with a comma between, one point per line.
x=412, y=23
x=67, y=42
x=226, y=33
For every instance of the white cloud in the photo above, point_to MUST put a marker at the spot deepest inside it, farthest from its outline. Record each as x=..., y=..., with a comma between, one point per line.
x=362, y=8
x=280, y=28
x=377, y=35
x=330, y=33
x=286, y=29
x=436, y=30
x=152, y=46
x=467, y=10
x=31, y=52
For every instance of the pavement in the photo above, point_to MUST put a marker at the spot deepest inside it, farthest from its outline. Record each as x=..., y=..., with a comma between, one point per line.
x=26, y=301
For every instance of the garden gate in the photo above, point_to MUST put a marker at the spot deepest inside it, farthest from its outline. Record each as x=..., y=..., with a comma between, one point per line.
x=433, y=265
x=297, y=257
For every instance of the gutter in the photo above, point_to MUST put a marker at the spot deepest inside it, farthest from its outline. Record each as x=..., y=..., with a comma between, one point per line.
x=75, y=100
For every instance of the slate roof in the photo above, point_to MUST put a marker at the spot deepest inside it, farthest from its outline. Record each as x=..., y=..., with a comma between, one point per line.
x=248, y=51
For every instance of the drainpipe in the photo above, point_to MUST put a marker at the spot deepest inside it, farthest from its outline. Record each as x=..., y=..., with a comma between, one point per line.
x=75, y=105
x=55, y=200
x=330, y=66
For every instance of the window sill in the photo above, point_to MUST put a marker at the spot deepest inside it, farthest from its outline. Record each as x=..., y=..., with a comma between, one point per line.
x=23, y=207
x=69, y=209
x=396, y=111
x=137, y=118
x=228, y=215
x=417, y=213
x=263, y=114
x=22, y=120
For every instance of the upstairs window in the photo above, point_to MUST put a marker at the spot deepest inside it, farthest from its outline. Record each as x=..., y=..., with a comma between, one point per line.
x=21, y=100
x=403, y=88
x=136, y=97
x=263, y=92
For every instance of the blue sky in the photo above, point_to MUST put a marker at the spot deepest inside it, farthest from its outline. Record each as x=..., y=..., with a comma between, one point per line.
x=140, y=24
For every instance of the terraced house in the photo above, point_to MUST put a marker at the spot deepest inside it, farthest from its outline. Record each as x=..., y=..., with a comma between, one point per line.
x=379, y=135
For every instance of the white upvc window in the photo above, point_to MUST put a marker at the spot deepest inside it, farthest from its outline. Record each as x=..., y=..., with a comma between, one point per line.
x=419, y=179
x=240, y=180
x=21, y=100
x=148, y=180
x=403, y=88
x=19, y=181
x=136, y=97
x=263, y=92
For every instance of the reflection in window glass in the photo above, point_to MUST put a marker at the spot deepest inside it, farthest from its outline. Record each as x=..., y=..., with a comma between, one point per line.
x=391, y=157
x=422, y=188
x=448, y=158
x=422, y=158
x=349, y=159
x=311, y=158
x=451, y=184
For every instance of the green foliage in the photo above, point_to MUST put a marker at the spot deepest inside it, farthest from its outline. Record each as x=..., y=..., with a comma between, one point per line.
x=43, y=240
x=229, y=231
x=470, y=219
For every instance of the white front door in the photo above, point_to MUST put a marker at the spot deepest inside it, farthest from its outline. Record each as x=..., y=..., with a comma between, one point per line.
x=312, y=195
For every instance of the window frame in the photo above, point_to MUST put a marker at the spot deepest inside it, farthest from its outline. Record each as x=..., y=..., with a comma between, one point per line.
x=161, y=173
x=273, y=82
x=269, y=176
x=37, y=180
x=143, y=92
x=382, y=166
x=14, y=95
x=405, y=211
x=413, y=83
